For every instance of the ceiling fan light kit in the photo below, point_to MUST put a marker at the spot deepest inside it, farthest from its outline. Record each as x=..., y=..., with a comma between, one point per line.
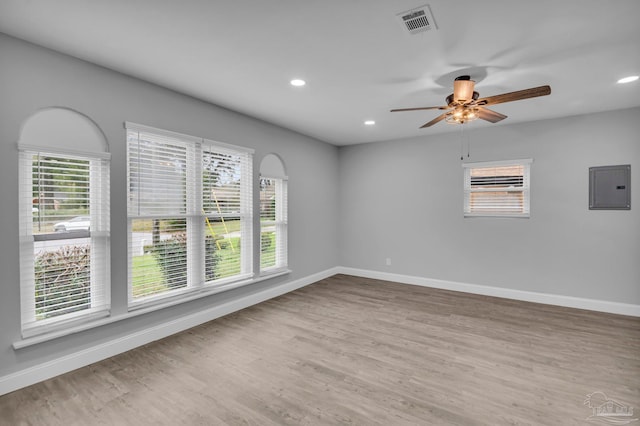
x=461, y=115
x=464, y=104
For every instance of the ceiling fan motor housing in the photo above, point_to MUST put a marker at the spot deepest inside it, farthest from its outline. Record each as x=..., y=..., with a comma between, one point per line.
x=450, y=100
x=463, y=89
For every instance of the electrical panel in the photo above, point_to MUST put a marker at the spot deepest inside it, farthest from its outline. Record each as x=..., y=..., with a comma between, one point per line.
x=610, y=187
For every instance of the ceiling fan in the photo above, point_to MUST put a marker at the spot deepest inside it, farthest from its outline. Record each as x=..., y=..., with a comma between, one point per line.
x=463, y=104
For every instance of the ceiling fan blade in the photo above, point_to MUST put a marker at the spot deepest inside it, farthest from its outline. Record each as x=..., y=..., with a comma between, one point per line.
x=492, y=116
x=515, y=96
x=419, y=108
x=435, y=120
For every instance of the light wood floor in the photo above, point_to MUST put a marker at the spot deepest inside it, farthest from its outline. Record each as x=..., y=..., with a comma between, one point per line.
x=350, y=350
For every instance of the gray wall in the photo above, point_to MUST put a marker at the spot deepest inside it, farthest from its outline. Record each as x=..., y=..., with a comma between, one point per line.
x=403, y=200
x=399, y=199
x=32, y=78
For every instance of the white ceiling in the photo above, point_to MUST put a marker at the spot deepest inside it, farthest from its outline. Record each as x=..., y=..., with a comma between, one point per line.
x=358, y=60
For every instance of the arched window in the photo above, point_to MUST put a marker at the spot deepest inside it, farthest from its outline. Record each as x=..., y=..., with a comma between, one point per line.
x=273, y=215
x=64, y=220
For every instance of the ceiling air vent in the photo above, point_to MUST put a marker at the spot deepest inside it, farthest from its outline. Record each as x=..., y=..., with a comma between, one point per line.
x=417, y=20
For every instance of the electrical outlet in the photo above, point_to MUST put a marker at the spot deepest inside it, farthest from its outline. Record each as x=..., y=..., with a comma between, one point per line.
x=388, y=261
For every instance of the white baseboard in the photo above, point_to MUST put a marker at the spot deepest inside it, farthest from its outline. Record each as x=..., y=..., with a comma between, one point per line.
x=507, y=293
x=64, y=364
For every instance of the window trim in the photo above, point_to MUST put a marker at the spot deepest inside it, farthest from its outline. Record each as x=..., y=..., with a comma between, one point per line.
x=525, y=190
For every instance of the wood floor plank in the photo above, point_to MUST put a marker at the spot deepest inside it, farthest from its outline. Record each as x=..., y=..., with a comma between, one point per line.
x=350, y=350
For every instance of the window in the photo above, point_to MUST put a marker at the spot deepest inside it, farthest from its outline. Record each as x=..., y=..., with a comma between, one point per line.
x=273, y=224
x=190, y=214
x=497, y=188
x=65, y=237
x=64, y=221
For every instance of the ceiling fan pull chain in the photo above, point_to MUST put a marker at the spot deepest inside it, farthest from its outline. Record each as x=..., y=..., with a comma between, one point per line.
x=461, y=142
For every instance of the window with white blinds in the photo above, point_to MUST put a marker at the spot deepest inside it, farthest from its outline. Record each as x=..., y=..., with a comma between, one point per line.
x=497, y=188
x=190, y=214
x=273, y=224
x=64, y=238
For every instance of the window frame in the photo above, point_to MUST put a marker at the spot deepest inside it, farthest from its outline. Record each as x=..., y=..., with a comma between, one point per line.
x=194, y=215
x=98, y=234
x=280, y=224
x=525, y=189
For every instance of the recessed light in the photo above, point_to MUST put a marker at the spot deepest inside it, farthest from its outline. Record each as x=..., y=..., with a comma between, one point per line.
x=297, y=82
x=628, y=79
x=369, y=123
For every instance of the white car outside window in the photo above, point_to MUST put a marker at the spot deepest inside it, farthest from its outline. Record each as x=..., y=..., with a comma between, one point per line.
x=78, y=223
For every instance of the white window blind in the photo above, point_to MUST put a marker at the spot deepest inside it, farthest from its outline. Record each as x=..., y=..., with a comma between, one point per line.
x=64, y=232
x=190, y=214
x=497, y=188
x=227, y=206
x=273, y=224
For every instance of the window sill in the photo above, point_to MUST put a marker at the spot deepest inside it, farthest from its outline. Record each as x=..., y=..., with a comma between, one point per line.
x=197, y=294
x=503, y=215
x=273, y=272
x=55, y=334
